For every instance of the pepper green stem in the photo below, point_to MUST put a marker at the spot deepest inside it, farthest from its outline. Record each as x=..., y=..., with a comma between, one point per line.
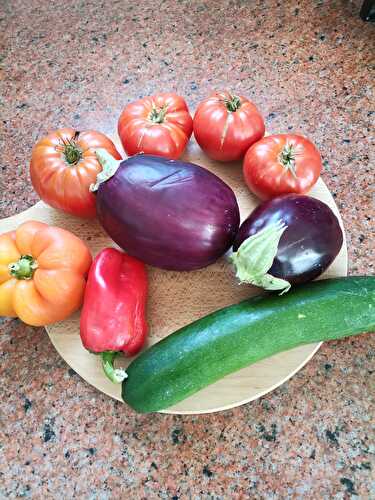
x=255, y=256
x=233, y=103
x=115, y=375
x=287, y=158
x=109, y=166
x=158, y=115
x=24, y=268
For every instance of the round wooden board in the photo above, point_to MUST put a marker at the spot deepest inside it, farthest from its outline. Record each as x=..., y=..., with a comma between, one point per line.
x=178, y=298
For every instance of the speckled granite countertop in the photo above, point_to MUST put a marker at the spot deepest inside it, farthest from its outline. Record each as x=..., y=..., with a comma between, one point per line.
x=308, y=65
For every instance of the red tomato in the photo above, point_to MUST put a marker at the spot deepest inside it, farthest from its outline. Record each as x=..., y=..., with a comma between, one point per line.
x=64, y=164
x=159, y=125
x=225, y=126
x=281, y=164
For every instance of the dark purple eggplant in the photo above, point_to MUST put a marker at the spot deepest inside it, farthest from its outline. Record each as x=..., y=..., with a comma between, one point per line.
x=286, y=241
x=167, y=213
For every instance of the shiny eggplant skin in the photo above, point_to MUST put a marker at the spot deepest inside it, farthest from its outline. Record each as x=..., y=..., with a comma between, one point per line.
x=169, y=214
x=310, y=243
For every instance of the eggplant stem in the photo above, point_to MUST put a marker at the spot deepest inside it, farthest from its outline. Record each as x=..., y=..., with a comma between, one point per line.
x=109, y=166
x=255, y=256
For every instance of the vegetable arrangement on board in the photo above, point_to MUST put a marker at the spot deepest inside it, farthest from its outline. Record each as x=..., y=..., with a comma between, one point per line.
x=175, y=215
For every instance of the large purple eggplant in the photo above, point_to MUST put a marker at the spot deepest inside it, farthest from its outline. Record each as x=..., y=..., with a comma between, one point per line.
x=286, y=241
x=167, y=213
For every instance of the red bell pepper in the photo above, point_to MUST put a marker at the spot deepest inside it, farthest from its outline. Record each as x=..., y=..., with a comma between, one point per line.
x=113, y=314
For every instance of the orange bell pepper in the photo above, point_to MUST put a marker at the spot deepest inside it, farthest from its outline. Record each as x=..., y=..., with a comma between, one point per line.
x=42, y=273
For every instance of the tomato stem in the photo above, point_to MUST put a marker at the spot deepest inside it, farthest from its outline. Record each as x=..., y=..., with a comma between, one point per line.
x=233, y=103
x=24, y=268
x=70, y=149
x=287, y=158
x=157, y=115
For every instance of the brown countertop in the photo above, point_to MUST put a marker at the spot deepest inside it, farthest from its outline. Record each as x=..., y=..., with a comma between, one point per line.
x=307, y=65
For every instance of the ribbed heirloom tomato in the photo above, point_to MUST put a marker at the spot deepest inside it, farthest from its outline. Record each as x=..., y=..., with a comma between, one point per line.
x=158, y=125
x=64, y=165
x=281, y=164
x=42, y=273
x=226, y=125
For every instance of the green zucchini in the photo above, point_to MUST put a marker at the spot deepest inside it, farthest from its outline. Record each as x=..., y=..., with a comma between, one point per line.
x=234, y=337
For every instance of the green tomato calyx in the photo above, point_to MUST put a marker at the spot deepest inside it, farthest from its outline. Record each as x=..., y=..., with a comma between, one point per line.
x=287, y=158
x=233, y=103
x=72, y=153
x=157, y=115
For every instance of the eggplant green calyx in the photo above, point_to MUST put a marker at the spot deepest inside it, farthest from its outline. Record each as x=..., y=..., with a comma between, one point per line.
x=287, y=158
x=109, y=165
x=115, y=375
x=24, y=268
x=233, y=103
x=255, y=256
